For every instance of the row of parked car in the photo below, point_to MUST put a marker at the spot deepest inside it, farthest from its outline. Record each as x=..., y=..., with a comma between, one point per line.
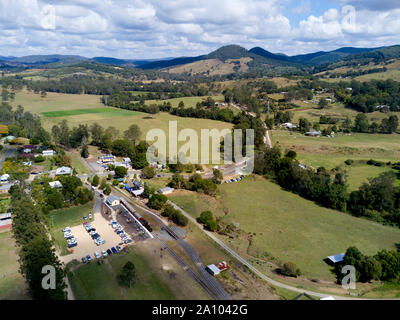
x=104, y=253
x=72, y=242
x=234, y=180
x=95, y=236
x=118, y=229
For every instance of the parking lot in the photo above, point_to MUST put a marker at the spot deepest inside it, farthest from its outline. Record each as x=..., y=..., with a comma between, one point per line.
x=86, y=244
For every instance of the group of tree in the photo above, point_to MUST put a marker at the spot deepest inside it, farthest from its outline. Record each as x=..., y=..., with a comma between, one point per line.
x=379, y=199
x=385, y=265
x=207, y=219
x=194, y=183
x=22, y=124
x=127, y=277
x=387, y=125
x=36, y=248
x=174, y=215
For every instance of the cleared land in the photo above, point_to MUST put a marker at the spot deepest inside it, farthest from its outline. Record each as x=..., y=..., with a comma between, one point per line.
x=280, y=226
x=114, y=111
x=332, y=152
x=12, y=284
x=159, y=278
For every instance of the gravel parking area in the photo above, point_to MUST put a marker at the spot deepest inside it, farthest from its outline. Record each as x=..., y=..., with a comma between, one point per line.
x=86, y=244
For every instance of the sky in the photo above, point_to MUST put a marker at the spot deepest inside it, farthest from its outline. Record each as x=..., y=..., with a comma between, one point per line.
x=152, y=29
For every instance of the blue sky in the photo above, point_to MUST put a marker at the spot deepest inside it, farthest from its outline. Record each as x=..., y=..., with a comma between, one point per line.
x=170, y=28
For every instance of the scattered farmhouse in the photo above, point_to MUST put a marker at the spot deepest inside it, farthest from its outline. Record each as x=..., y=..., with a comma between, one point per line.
x=106, y=158
x=48, y=153
x=63, y=171
x=289, y=125
x=55, y=184
x=5, y=220
x=313, y=133
x=217, y=269
x=166, y=190
x=337, y=258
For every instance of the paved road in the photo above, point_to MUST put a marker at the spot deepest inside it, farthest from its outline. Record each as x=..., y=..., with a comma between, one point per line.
x=253, y=269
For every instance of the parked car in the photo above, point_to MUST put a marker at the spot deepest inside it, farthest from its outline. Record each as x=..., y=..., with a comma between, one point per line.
x=104, y=253
x=90, y=216
x=67, y=229
x=97, y=255
x=88, y=258
x=109, y=252
x=71, y=245
x=84, y=218
x=118, y=248
x=114, y=250
x=84, y=260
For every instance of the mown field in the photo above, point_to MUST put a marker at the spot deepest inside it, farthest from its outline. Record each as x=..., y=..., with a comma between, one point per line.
x=12, y=284
x=332, y=152
x=87, y=109
x=286, y=227
x=188, y=101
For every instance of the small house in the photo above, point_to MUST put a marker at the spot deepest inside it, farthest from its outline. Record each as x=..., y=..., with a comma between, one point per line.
x=113, y=201
x=137, y=192
x=63, y=171
x=166, y=190
x=48, y=153
x=55, y=184
x=5, y=188
x=106, y=158
x=336, y=258
x=313, y=133
x=5, y=177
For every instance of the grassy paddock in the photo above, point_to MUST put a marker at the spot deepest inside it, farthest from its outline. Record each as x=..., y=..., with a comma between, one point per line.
x=108, y=110
x=93, y=281
x=288, y=227
x=12, y=284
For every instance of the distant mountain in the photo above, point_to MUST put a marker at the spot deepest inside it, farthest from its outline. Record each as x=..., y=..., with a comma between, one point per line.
x=108, y=60
x=266, y=54
x=328, y=57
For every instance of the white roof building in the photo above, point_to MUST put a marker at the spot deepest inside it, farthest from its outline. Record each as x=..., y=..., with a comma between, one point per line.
x=55, y=184
x=137, y=192
x=213, y=269
x=337, y=258
x=5, y=177
x=48, y=153
x=166, y=190
x=63, y=171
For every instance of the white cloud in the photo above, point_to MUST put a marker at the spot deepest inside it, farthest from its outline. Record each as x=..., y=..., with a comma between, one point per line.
x=157, y=28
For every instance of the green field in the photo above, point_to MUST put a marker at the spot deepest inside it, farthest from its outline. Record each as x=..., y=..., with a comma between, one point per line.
x=287, y=227
x=75, y=112
x=332, y=152
x=188, y=101
x=12, y=284
x=69, y=217
x=358, y=174
x=98, y=282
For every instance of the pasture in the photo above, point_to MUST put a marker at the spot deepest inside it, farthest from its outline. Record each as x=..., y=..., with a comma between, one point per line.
x=280, y=226
x=332, y=152
x=12, y=284
x=159, y=277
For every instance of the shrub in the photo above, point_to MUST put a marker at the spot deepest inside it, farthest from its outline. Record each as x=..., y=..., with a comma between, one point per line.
x=349, y=162
x=290, y=269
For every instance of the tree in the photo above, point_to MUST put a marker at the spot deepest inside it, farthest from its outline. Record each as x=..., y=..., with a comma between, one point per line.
x=217, y=176
x=177, y=181
x=206, y=216
x=133, y=133
x=323, y=103
x=85, y=151
x=127, y=276
x=370, y=269
x=290, y=269
x=148, y=173
x=157, y=201
x=361, y=123
x=95, y=181
x=120, y=172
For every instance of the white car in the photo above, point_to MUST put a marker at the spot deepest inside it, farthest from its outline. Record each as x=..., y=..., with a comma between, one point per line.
x=104, y=253
x=97, y=255
x=66, y=229
x=90, y=216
